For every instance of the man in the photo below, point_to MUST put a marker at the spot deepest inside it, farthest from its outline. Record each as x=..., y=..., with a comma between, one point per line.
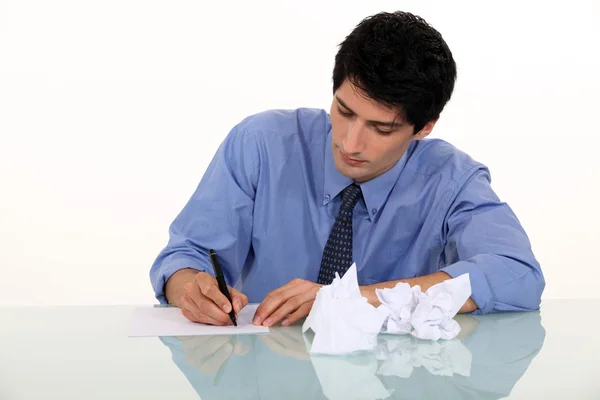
x=291, y=197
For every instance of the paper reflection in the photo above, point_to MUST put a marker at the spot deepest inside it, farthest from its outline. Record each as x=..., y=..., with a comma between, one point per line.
x=485, y=361
x=358, y=376
x=399, y=355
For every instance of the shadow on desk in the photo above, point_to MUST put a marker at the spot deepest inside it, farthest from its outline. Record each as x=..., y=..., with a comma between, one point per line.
x=484, y=362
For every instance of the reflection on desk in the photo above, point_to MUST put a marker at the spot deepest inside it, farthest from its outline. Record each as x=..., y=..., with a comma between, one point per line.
x=490, y=355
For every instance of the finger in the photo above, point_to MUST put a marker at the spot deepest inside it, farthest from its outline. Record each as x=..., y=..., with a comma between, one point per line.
x=208, y=287
x=238, y=299
x=274, y=300
x=200, y=353
x=240, y=348
x=287, y=337
x=189, y=309
x=289, y=306
x=208, y=344
x=192, y=311
x=301, y=312
x=188, y=314
x=274, y=345
x=278, y=348
x=293, y=282
x=213, y=362
x=210, y=313
x=284, y=288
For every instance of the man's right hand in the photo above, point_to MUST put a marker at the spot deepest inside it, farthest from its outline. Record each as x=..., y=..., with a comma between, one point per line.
x=199, y=297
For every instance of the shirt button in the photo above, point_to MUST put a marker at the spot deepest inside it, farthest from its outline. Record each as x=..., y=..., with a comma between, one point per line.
x=327, y=197
x=374, y=211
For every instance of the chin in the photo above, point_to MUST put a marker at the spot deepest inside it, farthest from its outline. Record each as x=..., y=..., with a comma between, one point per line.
x=350, y=172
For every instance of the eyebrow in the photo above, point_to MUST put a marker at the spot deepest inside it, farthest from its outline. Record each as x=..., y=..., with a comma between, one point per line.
x=392, y=124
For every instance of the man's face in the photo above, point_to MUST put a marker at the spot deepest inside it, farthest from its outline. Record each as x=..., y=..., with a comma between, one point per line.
x=367, y=137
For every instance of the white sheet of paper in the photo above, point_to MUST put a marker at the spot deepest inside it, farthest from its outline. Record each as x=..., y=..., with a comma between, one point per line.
x=168, y=321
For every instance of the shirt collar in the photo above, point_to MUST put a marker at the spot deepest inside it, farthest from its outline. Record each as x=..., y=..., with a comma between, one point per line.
x=375, y=191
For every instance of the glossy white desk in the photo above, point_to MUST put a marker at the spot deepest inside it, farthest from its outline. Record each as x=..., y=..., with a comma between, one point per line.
x=84, y=353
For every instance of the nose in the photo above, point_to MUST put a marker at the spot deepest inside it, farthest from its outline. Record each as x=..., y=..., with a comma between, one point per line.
x=354, y=141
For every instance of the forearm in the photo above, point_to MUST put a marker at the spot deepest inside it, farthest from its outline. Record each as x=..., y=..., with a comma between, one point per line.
x=229, y=183
x=174, y=285
x=425, y=282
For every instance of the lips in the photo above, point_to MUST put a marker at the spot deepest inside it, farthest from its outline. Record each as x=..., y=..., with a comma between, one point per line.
x=351, y=161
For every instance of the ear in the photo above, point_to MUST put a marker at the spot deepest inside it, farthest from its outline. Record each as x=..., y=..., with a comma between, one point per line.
x=423, y=133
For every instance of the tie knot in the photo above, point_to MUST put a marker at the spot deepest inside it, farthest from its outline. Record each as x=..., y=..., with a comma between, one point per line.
x=350, y=196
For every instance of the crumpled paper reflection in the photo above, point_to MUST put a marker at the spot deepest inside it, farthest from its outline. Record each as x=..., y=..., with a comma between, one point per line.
x=359, y=376
x=347, y=378
x=401, y=354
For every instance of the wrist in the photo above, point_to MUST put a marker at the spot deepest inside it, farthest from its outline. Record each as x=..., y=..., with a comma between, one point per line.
x=174, y=286
x=369, y=293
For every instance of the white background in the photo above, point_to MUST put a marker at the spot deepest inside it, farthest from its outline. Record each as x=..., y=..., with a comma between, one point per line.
x=110, y=112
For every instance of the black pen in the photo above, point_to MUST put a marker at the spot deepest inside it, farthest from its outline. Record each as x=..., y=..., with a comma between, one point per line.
x=221, y=281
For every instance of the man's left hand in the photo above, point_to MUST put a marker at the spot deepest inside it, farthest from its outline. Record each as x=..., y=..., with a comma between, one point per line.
x=290, y=303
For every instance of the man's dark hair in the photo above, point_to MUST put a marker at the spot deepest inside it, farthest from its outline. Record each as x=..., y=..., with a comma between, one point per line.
x=399, y=60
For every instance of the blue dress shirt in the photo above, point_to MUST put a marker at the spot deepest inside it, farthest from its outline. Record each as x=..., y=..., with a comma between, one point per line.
x=269, y=198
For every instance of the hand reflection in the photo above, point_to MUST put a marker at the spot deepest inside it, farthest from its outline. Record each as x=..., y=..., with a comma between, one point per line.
x=208, y=353
x=485, y=361
x=286, y=341
x=258, y=368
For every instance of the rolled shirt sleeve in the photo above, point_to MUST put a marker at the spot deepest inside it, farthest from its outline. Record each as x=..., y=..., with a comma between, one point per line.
x=484, y=238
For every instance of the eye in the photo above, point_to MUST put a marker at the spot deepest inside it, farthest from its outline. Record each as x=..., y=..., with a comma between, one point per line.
x=344, y=113
x=385, y=133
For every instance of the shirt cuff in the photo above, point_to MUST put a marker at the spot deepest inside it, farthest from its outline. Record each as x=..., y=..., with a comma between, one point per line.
x=168, y=267
x=481, y=292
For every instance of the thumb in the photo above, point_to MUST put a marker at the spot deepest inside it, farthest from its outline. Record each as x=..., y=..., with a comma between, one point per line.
x=238, y=299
